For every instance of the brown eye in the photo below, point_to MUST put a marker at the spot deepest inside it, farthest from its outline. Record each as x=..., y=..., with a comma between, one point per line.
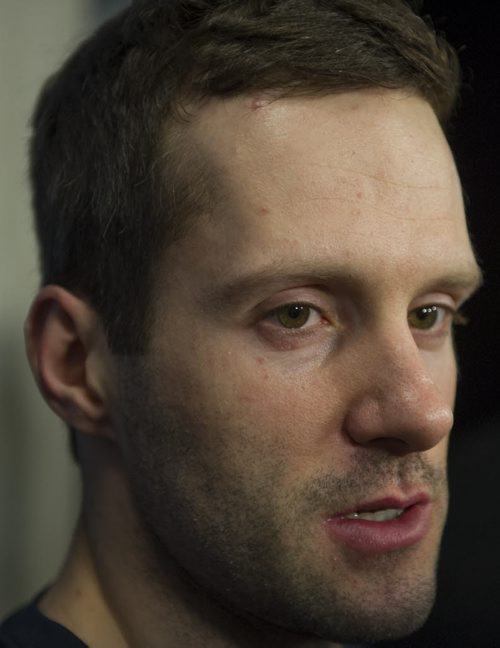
x=293, y=316
x=425, y=317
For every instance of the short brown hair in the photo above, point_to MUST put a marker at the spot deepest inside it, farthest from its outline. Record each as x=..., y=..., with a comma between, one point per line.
x=108, y=197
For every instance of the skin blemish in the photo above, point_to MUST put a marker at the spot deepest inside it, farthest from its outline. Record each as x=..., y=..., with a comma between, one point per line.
x=263, y=211
x=359, y=195
x=261, y=362
x=258, y=102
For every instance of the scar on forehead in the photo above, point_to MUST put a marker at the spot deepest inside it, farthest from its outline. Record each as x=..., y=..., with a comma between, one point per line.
x=256, y=103
x=261, y=100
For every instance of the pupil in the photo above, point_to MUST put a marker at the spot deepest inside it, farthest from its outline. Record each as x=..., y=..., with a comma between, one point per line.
x=424, y=312
x=295, y=311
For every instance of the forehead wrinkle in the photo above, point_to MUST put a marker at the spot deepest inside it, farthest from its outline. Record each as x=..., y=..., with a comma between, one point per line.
x=228, y=157
x=231, y=134
x=379, y=210
x=370, y=176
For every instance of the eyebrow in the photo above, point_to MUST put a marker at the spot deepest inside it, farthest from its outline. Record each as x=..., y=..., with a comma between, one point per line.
x=279, y=275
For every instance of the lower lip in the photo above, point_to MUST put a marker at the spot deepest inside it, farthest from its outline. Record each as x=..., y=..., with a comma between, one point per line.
x=369, y=538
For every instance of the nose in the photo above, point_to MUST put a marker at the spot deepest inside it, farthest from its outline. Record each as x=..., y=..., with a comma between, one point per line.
x=399, y=406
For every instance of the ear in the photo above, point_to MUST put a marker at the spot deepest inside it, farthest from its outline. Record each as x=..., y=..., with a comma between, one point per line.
x=70, y=359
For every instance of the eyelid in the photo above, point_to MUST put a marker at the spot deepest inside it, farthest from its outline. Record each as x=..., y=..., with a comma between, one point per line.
x=447, y=317
x=436, y=298
x=442, y=300
x=312, y=296
x=278, y=336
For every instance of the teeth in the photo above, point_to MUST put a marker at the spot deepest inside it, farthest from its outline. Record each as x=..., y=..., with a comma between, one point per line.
x=376, y=516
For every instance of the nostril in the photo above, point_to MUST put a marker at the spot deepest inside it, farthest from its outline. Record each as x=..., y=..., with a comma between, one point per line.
x=394, y=446
x=400, y=420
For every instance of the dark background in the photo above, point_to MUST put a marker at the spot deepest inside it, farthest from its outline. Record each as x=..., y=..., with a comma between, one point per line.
x=468, y=601
x=474, y=29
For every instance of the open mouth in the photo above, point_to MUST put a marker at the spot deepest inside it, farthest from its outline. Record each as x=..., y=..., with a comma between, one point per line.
x=384, y=525
x=382, y=515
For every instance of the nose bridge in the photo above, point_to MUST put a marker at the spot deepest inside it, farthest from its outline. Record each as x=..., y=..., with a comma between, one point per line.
x=404, y=369
x=400, y=401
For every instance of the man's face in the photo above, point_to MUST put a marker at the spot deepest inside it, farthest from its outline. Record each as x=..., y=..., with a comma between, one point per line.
x=302, y=369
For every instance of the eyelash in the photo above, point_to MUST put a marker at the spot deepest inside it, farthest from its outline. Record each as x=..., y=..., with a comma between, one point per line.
x=447, y=313
x=312, y=310
x=447, y=317
x=284, y=338
x=459, y=319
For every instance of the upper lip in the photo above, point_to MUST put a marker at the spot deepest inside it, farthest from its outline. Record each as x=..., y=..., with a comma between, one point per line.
x=387, y=502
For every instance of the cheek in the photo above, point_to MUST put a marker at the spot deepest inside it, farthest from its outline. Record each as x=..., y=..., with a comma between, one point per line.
x=272, y=411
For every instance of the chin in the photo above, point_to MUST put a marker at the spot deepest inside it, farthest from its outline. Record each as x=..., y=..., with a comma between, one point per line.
x=365, y=623
x=382, y=598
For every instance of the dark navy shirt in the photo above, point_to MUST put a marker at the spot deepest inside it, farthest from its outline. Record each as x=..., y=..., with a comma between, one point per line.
x=29, y=628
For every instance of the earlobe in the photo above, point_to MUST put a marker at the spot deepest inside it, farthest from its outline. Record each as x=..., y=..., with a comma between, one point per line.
x=66, y=350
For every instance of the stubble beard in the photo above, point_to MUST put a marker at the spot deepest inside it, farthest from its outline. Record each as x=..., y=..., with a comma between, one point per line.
x=252, y=546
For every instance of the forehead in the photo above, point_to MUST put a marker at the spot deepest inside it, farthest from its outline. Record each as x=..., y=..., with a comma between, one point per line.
x=363, y=177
